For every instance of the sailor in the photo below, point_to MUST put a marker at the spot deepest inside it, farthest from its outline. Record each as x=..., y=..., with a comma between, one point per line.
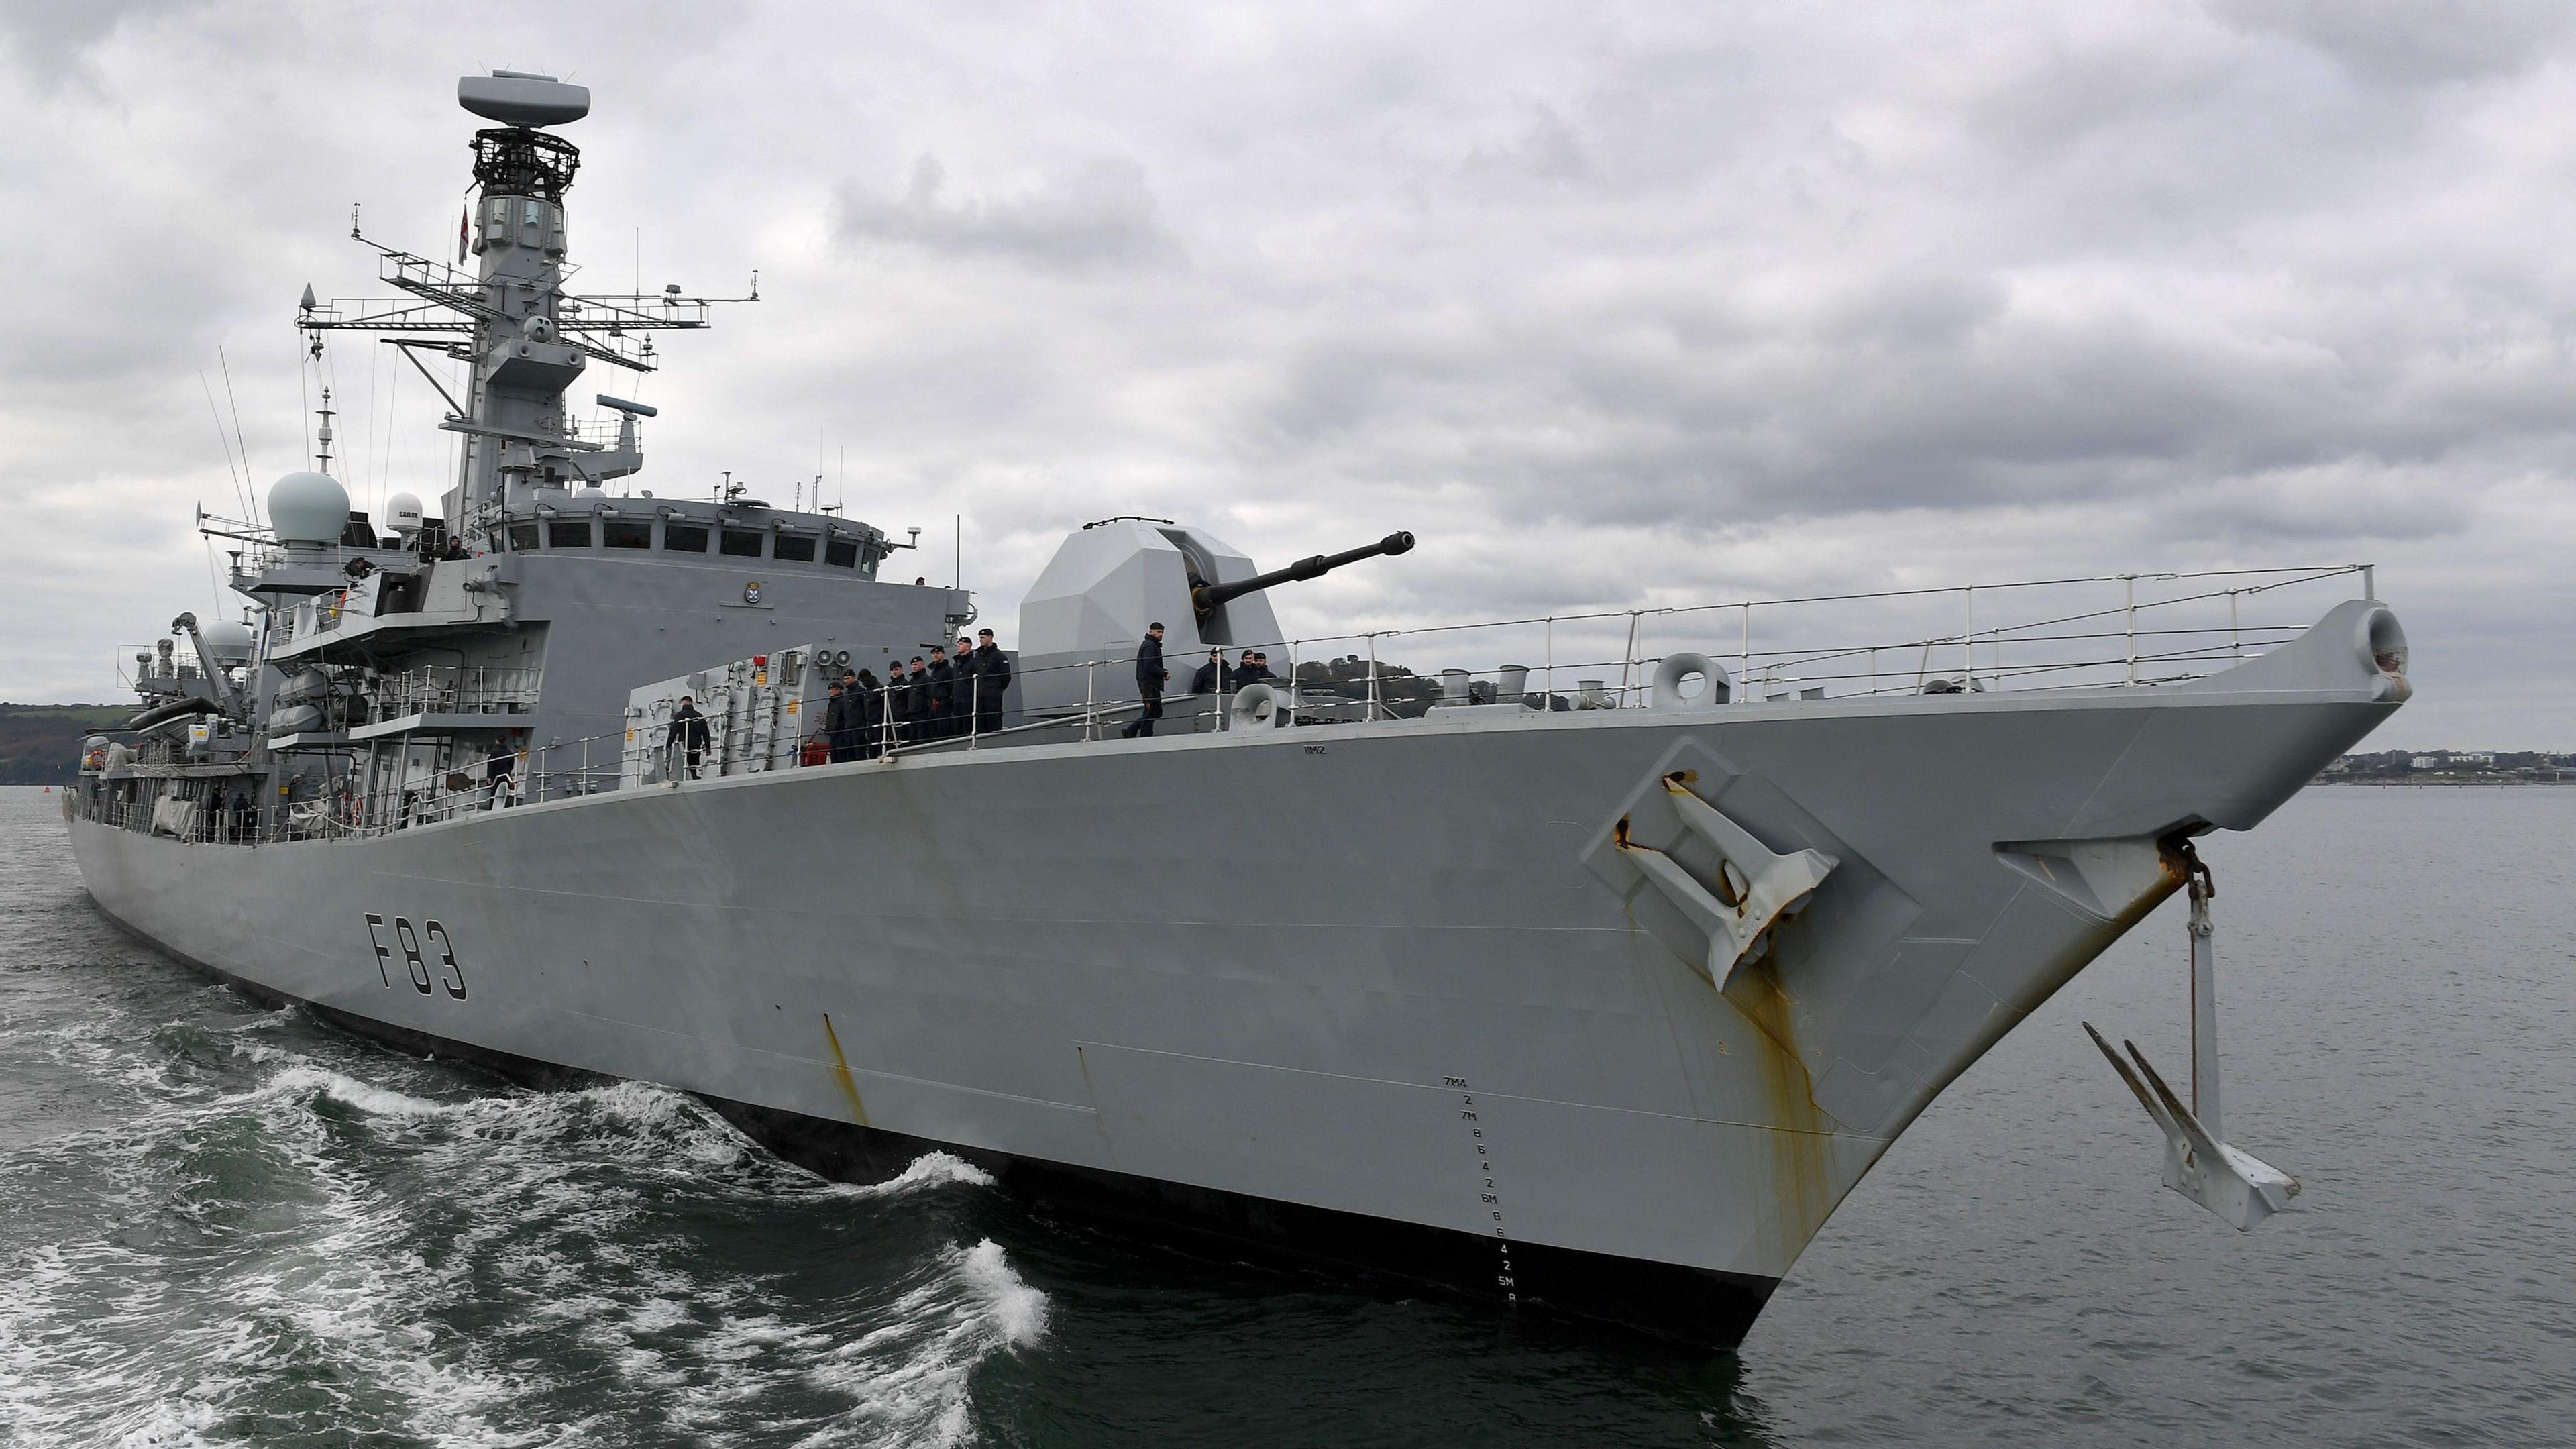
x=840, y=738
x=688, y=737
x=962, y=692
x=869, y=713
x=898, y=703
x=1214, y=675
x=1255, y=668
x=992, y=681
x=1150, y=675
x=918, y=693
x=942, y=696
x=497, y=768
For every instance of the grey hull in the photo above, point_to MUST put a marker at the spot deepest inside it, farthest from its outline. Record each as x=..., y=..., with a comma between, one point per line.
x=1391, y=973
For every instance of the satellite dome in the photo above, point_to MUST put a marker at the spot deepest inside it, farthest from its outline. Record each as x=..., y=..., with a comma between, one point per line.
x=593, y=491
x=228, y=642
x=308, y=508
x=402, y=513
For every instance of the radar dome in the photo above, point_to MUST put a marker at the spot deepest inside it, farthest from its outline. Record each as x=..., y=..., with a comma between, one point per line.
x=593, y=491
x=228, y=642
x=402, y=513
x=308, y=508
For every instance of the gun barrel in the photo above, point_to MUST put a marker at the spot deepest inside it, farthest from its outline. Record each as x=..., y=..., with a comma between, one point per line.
x=1207, y=598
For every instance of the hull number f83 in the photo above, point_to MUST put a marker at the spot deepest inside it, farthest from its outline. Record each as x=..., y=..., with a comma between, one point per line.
x=425, y=978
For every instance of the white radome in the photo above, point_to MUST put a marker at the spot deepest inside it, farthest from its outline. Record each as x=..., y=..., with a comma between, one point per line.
x=402, y=513
x=308, y=508
x=228, y=642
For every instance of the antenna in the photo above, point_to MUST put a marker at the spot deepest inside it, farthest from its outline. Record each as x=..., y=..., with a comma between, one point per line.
x=322, y=434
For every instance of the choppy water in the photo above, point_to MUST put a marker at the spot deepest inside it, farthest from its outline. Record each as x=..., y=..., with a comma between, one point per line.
x=221, y=1224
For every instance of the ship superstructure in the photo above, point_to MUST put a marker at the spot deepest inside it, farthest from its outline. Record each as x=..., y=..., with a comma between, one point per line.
x=1595, y=980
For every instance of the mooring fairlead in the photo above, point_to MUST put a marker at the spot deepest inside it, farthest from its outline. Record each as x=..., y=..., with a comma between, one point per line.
x=2236, y=1185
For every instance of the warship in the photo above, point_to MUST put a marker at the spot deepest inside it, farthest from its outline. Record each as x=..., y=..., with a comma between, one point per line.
x=1592, y=982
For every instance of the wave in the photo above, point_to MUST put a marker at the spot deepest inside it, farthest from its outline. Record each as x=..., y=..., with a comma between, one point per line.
x=418, y=1256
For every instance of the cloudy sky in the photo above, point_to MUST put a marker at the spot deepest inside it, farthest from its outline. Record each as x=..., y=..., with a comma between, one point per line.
x=1611, y=304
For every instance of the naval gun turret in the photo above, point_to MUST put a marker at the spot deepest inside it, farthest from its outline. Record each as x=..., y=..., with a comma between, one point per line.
x=1109, y=581
x=1207, y=598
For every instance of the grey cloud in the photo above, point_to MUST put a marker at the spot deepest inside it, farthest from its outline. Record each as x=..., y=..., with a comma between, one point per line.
x=52, y=43
x=1100, y=215
x=2408, y=41
x=1635, y=304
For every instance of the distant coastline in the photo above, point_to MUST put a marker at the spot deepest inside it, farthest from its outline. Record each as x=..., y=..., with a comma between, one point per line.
x=40, y=743
x=2451, y=767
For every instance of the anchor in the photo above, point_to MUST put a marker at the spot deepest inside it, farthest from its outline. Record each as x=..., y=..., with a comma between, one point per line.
x=1756, y=887
x=2237, y=1186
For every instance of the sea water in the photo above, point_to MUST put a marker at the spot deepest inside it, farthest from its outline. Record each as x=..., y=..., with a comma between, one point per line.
x=221, y=1224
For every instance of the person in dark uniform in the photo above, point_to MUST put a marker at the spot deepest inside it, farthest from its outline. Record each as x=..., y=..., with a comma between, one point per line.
x=1150, y=675
x=501, y=763
x=992, y=681
x=941, y=695
x=1215, y=676
x=868, y=713
x=918, y=697
x=1254, y=669
x=898, y=703
x=688, y=738
x=839, y=739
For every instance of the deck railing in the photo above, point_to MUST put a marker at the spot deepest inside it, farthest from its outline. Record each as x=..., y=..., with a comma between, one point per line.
x=2116, y=631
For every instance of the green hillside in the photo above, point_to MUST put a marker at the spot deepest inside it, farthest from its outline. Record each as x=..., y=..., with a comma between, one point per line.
x=40, y=743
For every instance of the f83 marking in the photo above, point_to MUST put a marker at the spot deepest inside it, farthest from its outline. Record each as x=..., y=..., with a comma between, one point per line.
x=417, y=967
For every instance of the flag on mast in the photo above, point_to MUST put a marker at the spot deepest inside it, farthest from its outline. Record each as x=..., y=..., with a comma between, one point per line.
x=461, y=232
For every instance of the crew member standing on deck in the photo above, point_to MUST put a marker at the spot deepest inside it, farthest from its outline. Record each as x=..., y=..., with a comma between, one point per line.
x=898, y=703
x=942, y=695
x=1150, y=675
x=1214, y=676
x=992, y=681
x=840, y=737
x=688, y=739
x=869, y=713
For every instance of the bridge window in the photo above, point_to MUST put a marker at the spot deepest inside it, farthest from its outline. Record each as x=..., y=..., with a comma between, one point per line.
x=841, y=553
x=684, y=537
x=794, y=548
x=568, y=533
x=523, y=538
x=626, y=533
x=743, y=542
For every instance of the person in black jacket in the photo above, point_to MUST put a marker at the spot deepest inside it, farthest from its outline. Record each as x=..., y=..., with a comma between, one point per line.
x=1214, y=676
x=917, y=702
x=992, y=681
x=898, y=703
x=838, y=732
x=688, y=738
x=1150, y=675
x=1254, y=669
x=943, y=699
x=869, y=713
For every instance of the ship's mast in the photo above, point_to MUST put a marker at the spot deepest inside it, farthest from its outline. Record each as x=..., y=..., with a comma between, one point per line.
x=516, y=440
x=523, y=340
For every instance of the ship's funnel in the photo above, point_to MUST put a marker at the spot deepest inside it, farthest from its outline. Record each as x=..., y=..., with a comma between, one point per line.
x=515, y=98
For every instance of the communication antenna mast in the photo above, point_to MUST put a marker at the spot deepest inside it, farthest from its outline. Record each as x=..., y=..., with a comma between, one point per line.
x=322, y=434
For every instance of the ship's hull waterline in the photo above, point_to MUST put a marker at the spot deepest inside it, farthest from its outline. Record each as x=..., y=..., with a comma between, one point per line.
x=1377, y=992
